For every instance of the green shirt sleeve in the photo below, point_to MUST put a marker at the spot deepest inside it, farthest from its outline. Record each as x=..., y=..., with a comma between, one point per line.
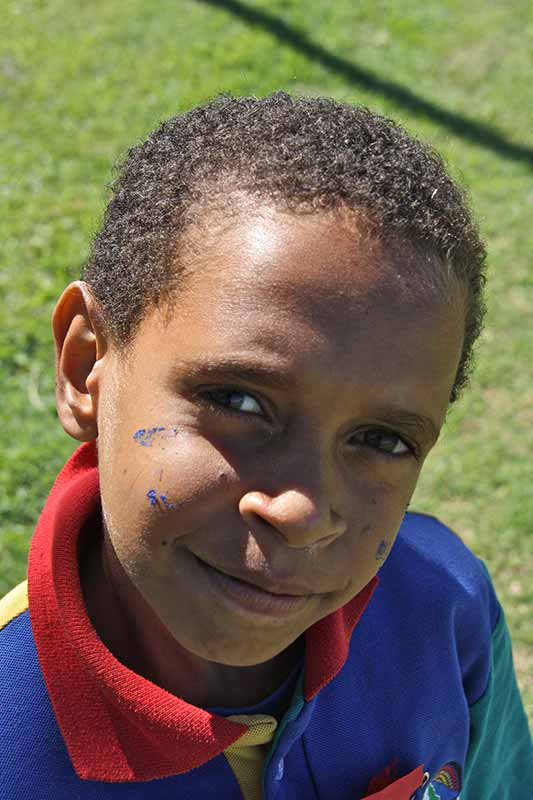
x=499, y=762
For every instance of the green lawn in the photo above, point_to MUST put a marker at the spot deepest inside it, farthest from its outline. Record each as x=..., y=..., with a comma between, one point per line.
x=81, y=82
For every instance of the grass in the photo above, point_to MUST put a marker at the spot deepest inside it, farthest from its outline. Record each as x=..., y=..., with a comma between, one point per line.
x=84, y=82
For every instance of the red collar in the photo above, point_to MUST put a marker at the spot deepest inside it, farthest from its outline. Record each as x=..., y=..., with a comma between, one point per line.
x=117, y=725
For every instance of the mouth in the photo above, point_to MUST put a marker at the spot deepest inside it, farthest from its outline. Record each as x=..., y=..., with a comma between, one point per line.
x=250, y=597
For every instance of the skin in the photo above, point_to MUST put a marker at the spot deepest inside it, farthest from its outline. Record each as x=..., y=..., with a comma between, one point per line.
x=302, y=487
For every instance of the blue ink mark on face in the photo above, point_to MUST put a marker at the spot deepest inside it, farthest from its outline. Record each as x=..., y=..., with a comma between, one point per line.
x=155, y=499
x=144, y=436
x=152, y=497
x=164, y=499
x=382, y=550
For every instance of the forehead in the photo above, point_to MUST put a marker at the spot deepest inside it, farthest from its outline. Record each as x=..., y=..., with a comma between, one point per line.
x=312, y=269
x=322, y=257
x=317, y=296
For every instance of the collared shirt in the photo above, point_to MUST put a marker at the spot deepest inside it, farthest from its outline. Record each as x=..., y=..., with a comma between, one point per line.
x=401, y=692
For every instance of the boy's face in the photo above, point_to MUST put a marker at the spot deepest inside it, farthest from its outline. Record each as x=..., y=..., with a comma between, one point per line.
x=272, y=429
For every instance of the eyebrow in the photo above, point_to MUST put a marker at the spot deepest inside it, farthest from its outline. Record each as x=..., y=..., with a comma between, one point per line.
x=237, y=370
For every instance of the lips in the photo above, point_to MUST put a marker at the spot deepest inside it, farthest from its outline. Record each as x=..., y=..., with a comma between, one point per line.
x=251, y=598
x=274, y=587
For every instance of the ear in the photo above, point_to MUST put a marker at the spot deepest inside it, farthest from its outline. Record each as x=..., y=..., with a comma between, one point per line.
x=80, y=354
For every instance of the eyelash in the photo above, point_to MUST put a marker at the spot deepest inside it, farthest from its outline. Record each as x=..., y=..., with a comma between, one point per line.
x=412, y=450
x=218, y=408
x=207, y=397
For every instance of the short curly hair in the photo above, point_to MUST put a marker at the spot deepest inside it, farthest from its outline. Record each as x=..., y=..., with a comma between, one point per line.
x=302, y=154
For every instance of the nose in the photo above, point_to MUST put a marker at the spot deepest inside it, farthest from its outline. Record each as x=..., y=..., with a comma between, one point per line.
x=299, y=517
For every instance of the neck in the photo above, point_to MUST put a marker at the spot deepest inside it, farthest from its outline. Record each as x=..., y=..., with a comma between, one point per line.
x=136, y=637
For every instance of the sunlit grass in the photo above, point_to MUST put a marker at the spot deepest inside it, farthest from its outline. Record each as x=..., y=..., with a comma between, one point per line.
x=83, y=82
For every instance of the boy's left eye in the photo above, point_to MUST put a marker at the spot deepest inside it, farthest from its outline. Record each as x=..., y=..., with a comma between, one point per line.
x=380, y=439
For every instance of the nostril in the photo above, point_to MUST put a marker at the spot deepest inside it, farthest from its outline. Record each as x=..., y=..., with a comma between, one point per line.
x=296, y=516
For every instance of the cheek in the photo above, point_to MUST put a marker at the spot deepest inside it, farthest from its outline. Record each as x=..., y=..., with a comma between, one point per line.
x=367, y=544
x=367, y=550
x=160, y=485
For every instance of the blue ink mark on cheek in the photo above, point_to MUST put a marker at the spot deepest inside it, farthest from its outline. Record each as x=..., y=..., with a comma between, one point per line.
x=381, y=552
x=144, y=436
x=155, y=499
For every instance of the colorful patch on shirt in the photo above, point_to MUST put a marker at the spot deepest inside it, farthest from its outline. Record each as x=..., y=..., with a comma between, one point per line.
x=445, y=785
x=387, y=776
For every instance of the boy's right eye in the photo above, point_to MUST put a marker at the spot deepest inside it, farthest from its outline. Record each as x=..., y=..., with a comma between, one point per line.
x=232, y=400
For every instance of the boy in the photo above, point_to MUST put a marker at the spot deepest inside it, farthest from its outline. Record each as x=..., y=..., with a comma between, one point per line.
x=275, y=317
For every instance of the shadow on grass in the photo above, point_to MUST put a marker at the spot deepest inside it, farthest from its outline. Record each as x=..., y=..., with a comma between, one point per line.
x=476, y=132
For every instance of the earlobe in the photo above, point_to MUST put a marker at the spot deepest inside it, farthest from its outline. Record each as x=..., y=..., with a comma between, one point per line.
x=80, y=350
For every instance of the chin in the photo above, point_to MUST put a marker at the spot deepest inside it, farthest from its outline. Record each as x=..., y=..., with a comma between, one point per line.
x=248, y=660
x=232, y=653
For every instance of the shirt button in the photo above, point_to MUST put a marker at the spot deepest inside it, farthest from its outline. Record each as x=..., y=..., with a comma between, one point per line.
x=280, y=770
